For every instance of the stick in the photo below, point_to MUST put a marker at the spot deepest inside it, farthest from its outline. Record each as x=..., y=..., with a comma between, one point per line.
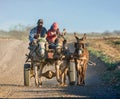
x=91, y=63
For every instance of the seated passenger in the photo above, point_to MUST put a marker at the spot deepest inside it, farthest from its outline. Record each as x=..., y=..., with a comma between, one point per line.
x=52, y=35
x=37, y=31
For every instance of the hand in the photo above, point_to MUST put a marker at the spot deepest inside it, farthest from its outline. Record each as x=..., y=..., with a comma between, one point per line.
x=34, y=41
x=36, y=36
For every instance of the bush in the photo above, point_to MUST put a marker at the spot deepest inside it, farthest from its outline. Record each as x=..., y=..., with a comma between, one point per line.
x=104, y=58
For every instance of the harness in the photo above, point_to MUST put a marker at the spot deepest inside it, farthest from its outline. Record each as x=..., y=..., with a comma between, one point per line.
x=59, y=45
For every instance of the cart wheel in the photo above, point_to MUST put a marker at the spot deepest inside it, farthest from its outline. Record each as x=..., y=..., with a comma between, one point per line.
x=26, y=74
x=72, y=73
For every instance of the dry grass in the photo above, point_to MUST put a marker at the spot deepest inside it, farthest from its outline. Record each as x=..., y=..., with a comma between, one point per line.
x=107, y=48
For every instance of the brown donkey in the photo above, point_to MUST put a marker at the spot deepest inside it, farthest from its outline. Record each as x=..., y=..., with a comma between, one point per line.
x=81, y=57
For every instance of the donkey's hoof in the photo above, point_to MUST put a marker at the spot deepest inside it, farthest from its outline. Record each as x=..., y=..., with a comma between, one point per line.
x=62, y=85
x=65, y=85
x=40, y=83
x=72, y=83
x=82, y=84
x=78, y=84
x=59, y=80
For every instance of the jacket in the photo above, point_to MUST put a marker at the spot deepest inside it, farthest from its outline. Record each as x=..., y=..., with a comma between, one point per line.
x=52, y=35
x=33, y=32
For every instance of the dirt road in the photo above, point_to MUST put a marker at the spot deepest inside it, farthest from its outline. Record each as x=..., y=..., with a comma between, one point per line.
x=12, y=58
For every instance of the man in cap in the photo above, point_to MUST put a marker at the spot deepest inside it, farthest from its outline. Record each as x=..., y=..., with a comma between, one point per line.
x=37, y=31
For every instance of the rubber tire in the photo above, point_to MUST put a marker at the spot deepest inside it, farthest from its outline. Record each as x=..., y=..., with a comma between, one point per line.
x=26, y=74
x=72, y=73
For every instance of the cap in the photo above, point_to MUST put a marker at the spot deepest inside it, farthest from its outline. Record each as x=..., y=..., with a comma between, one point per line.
x=40, y=21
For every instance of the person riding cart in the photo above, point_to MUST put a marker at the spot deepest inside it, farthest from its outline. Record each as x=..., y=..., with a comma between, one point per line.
x=52, y=35
x=37, y=31
x=37, y=34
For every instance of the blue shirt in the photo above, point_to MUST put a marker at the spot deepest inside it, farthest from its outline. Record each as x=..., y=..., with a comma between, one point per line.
x=34, y=31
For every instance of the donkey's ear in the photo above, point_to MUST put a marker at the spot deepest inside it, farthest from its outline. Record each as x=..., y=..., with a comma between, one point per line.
x=76, y=36
x=84, y=36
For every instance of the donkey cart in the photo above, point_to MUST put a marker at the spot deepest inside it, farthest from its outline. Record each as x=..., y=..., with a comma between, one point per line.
x=40, y=57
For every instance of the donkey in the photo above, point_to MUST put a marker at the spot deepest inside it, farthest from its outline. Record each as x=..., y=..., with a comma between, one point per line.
x=61, y=61
x=37, y=55
x=81, y=57
x=57, y=59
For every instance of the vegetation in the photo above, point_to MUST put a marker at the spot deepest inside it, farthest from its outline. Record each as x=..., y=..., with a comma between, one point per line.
x=108, y=52
x=18, y=32
x=111, y=65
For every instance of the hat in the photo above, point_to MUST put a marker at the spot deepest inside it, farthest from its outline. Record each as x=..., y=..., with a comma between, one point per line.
x=55, y=26
x=40, y=21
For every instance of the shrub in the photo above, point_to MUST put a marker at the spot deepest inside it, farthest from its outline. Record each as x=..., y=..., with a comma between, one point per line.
x=104, y=58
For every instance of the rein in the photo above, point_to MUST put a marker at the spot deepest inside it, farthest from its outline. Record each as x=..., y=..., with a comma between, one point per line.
x=59, y=46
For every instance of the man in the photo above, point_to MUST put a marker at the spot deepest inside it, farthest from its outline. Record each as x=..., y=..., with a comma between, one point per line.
x=37, y=31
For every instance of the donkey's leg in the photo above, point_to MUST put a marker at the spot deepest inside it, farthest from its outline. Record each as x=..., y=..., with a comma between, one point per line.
x=78, y=77
x=57, y=68
x=57, y=73
x=65, y=75
x=64, y=70
x=62, y=79
x=40, y=74
x=84, y=72
x=67, y=63
x=61, y=68
x=77, y=70
x=36, y=75
x=82, y=75
x=78, y=74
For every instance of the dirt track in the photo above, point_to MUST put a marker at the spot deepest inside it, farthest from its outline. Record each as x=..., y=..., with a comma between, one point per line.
x=12, y=58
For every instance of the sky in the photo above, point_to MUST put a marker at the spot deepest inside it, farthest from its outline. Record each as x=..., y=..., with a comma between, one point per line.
x=74, y=15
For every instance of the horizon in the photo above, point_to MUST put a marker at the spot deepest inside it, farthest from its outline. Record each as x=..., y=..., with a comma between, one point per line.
x=22, y=28
x=74, y=15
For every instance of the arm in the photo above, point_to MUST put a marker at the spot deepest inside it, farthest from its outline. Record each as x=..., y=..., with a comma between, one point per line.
x=43, y=32
x=50, y=36
x=32, y=34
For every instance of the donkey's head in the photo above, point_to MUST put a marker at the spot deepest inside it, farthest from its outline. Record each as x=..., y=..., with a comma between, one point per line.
x=80, y=44
x=60, y=42
x=41, y=46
